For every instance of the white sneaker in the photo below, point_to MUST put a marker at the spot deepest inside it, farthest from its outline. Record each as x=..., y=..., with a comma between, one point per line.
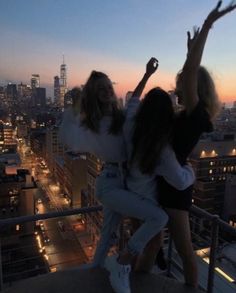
x=119, y=275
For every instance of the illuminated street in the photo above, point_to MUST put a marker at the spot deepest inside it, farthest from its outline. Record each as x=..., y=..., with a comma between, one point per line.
x=61, y=246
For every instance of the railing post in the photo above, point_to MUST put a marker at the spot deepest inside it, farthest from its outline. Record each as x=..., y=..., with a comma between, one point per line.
x=212, y=258
x=169, y=256
x=1, y=277
x=121, y=238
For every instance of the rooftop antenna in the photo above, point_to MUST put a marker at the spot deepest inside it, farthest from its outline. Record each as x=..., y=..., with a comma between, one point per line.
x=63, y=59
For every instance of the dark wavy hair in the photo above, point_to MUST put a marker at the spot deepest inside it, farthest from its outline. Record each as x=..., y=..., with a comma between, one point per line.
x=93, y=110
x=152, y=129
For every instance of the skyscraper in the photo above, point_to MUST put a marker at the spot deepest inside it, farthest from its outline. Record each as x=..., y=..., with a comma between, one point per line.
x=63, y=82
x=56, y=89
x=40, y=97
x=35, y=81
x=11, y=93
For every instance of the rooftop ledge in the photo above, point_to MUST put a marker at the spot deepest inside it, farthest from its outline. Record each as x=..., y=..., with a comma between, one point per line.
x=95, y=281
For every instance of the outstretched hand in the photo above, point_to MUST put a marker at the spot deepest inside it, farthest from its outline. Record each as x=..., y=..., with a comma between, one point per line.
x=151, y=66
x=216, y=13
x=191, y=41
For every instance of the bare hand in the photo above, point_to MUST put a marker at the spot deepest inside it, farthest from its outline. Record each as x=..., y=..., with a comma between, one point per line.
x=151, y=66
x=191, y=41
x=216, y=13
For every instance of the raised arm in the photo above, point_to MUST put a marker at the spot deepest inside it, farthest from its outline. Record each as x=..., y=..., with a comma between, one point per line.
x=151, y=67
x=176, y=175
x=196, y=46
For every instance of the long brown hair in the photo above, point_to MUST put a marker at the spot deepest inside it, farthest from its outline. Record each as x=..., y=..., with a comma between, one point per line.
x=152, y=129
x=93, y=110
x=206, y=91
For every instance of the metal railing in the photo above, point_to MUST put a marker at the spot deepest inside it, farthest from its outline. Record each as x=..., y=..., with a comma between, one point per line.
x=215, y=221
x=33, y=218
x=216, y=224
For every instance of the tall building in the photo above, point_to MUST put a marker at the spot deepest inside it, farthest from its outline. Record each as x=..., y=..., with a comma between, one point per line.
x=39, y=97
x=11, y=93
x=93, y=220
x=56, y=89
x=74, y=178
x=8, y=142
x=38, y=142
x=24, y=91
x=35, y=81
x=229, y=210
x=3, y=100
x=53, y=147
x=63, y=82
x=68, y=99
x=17, y=197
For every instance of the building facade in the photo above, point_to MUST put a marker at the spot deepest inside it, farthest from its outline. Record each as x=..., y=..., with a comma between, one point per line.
x=212, y=161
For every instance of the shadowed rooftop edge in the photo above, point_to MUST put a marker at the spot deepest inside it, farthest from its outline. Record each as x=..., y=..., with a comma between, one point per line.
x=95, y=281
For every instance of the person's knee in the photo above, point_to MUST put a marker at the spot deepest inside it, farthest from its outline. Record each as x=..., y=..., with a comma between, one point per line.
x=162, y=218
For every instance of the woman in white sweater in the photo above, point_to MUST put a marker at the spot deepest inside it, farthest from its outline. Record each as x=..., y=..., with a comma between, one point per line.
x=98, y=129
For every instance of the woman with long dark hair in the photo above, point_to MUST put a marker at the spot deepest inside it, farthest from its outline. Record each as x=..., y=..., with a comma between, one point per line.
x=196, y=91
x=98, y=129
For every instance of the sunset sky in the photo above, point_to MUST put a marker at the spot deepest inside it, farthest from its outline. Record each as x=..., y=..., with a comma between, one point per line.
x=114, y=36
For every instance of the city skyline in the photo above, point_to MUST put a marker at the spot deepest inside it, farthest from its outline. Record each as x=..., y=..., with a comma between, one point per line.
x=117, y=38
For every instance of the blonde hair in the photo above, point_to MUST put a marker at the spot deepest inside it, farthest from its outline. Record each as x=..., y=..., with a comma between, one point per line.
x=93, y=110
x=207, y=92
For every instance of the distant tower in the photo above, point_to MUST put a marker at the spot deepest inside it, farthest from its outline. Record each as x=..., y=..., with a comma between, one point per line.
x=35, y=81
x=63, y=74
x=63, y=82
x=57, y=89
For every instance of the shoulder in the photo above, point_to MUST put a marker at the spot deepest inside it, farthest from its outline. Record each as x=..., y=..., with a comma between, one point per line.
x=198, y=117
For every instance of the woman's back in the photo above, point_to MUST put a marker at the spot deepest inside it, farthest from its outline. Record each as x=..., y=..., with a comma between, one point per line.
x=167, y=166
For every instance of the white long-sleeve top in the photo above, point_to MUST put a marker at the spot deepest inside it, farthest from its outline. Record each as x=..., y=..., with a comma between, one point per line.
x=107, y=147
x=143, y=184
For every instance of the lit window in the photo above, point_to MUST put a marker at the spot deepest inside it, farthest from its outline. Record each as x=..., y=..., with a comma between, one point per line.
x=213, y=153
x=224, y=169
x=17, y=227
x=210, y=171
x=211, y=163
x=203, y=154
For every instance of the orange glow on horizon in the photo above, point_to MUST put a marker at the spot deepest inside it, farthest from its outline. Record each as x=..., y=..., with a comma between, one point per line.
x=128, y=81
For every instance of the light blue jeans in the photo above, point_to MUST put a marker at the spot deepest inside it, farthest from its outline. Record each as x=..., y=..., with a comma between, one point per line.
x=119, y=202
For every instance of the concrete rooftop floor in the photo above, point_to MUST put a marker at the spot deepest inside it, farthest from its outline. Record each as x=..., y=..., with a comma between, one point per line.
x=95, y=281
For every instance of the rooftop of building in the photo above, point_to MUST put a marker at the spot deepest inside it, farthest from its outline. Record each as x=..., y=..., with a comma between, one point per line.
x=20, y=176
x=75, y=155
x=95, y=281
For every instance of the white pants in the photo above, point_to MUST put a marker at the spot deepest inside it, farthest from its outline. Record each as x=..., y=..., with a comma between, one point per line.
x=119, y=202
